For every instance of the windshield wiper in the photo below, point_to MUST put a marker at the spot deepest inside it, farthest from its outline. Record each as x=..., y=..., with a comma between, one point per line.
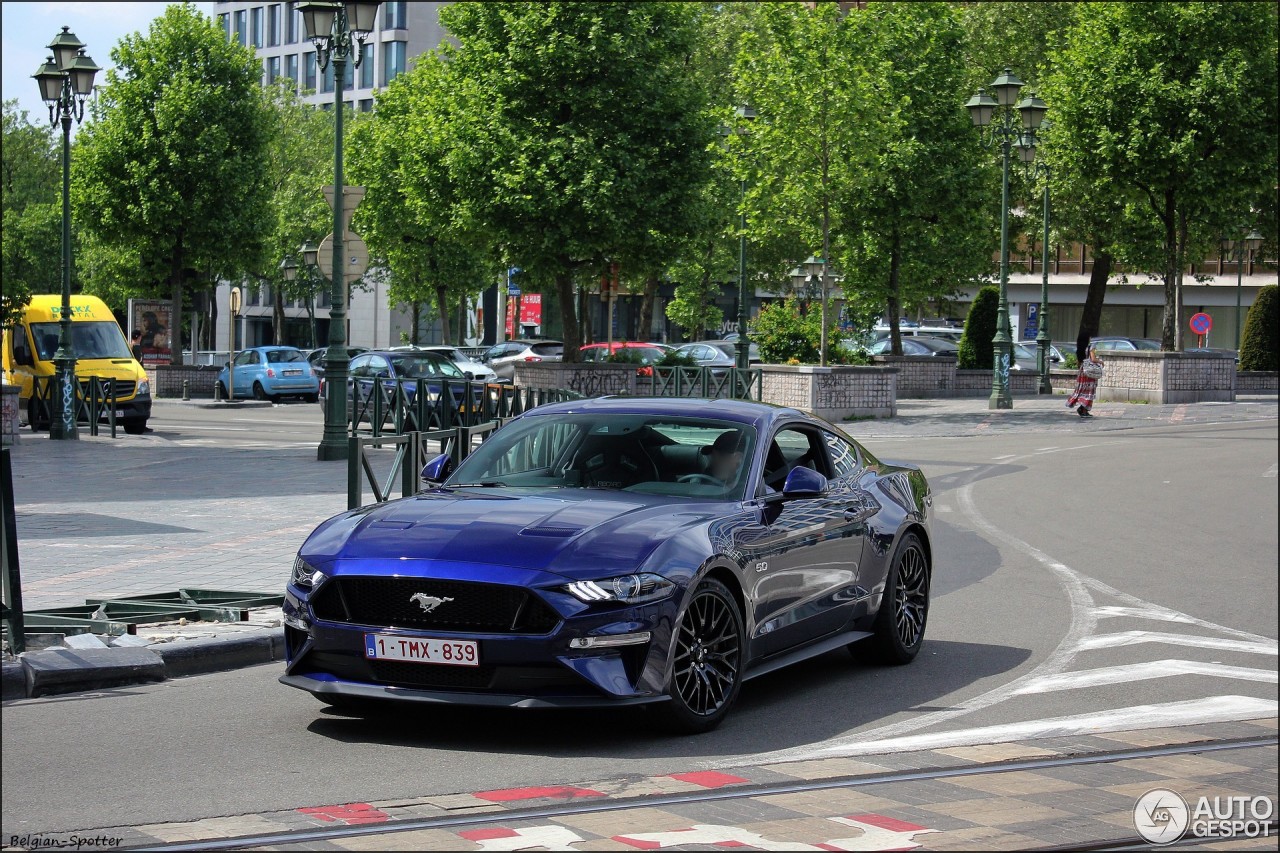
x=488, y=484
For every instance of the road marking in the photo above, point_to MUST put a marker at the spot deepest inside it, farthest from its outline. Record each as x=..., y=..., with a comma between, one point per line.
x=1130, y=672
x=1213, y=709
x=1002, y=458
x=1130, y=638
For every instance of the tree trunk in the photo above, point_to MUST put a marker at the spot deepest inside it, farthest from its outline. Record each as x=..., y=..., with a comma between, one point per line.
x=646, y=309
x=1091, y=318
x=176, y=294
x=1169, y=329
x=442, y=305
x=568, y=319
x=311, y=320
x=895, y=304
x=417, y=318
x=211, y=326
x=1180, y=259
x=277, y=316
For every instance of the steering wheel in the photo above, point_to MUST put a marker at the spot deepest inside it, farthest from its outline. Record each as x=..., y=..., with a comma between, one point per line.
x=703, y=479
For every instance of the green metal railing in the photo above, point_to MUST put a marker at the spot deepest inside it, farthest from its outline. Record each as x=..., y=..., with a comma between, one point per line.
x=113, y=617
x=96, y=398
x=719, y=382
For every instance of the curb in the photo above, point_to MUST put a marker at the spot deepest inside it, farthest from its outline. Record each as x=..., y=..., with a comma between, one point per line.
x=57, y=671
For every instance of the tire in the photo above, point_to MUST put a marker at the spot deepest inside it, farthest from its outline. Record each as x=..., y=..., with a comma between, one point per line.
x=706, y=665
x=135, y=426
x=898, y=631
x=259, y=393
x=220, y=391
x=311, y=398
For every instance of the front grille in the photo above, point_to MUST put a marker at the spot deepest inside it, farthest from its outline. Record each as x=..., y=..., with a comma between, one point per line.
x=402, y=674
x=123, y=388
x=480, y=608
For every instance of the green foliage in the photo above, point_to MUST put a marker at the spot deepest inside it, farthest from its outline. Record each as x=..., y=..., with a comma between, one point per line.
x=976, y=350
x=625, y=355
x=676, y=359
x=172, y=166
x=1260, y=347
x=1069, y=361
x=784, y=334
x=30, y=186
x=1148, y=145
x=576, y=135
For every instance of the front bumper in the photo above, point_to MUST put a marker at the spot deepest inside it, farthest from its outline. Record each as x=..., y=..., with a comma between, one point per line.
x=524, y=670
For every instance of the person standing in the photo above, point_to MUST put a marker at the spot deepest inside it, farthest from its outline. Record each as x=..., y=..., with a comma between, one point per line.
x=135, y=345
x=1091, y=370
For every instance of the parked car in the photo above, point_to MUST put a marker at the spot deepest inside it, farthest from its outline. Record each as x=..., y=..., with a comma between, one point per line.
x=1222, y=351
x=269, y=373
x=315, y=358
x=503, y=357
x=644, y=354
x=1115, y=343
x=1025, y=352
x=918, y=345
x=472, y=369
x=404, y=368
x=705, y=355
x=950, y=333
x=589, y=553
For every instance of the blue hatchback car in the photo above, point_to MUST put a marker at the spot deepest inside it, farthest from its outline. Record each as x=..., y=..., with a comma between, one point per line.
x=617, y=551
x=269, y=373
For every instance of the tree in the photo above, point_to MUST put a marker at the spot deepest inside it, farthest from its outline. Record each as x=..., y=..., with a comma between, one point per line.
x=1170, y=111
x=976, y=349
x=30, y=190
x=1260, y=346
x=917, y=214
x=410, y=216
x=172, y=165
x=577, y=137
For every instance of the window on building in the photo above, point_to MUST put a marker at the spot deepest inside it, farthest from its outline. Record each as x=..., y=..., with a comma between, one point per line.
x=366, y=105
x=366, y=66
x=327, y=85
x=291, y=67
x=292, y=23
x=273, y=25
x=392, y=60
x=255, y=25
x=309, y=61
x=241, y=24
x=224, y=21
x=395, y=16
x=273, y=69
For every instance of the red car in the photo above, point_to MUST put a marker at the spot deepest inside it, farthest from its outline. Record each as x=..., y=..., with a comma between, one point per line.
x=644, y=354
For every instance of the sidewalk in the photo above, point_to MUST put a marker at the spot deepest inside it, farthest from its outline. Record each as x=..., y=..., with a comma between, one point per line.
x=108, y=518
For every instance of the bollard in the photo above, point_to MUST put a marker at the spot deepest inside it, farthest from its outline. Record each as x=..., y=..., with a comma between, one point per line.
x=186, y=389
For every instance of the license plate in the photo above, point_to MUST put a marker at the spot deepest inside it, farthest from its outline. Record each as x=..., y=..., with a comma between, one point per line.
x=119, y=413
x=420, y=650
x=293, y=373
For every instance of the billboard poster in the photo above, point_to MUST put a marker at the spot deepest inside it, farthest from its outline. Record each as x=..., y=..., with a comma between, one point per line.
x=150, y=330
x=531, y=309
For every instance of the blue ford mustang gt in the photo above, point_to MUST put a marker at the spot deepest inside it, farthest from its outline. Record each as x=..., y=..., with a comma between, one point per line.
x=617, y=551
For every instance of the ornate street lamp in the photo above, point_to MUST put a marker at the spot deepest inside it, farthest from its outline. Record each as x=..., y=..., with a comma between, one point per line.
x=1240, y=251
x=338, y=31
x=1027, y=150
x=66, y=81
x=982, y=109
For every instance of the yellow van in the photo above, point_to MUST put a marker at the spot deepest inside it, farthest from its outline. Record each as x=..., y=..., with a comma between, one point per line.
x=100, y=350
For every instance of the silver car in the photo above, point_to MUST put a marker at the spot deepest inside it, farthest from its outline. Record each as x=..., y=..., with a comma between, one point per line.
x=473, y=369
x=503, y=357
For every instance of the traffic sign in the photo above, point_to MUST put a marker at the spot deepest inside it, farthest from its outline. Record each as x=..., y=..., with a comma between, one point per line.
x=1201, y=323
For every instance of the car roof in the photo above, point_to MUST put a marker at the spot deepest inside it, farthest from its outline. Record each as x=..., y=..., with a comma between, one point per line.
x=621, y=344
x=760, y=415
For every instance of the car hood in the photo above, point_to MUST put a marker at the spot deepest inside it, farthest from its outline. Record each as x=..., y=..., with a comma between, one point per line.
x=575, y=533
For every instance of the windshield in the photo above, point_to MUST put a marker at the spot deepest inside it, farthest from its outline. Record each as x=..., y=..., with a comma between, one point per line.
x=636, y=453
x=89, y=339
x=421, y=365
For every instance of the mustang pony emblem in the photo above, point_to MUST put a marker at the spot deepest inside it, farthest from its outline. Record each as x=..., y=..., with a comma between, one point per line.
x=428, y=602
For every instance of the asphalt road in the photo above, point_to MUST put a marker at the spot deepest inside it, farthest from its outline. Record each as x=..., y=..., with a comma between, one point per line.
x=1079, y=576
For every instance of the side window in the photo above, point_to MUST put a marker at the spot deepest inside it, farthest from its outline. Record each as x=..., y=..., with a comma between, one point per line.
x=844, y=456
x=378, y=367
x=794, y=447
x=246, y=357
x=359, y=367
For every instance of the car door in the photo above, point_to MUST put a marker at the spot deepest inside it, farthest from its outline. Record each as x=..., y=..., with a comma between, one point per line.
x=247, y=371
x=806, y=551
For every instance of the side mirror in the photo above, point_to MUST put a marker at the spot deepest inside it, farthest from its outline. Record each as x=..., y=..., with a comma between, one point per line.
x=226, y=365
x=438, y=469
x=470, y=376
x=804, y=483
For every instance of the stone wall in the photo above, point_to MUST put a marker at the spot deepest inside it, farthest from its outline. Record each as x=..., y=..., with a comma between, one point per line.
x=167, y=379
x=1257, y=382
x=977, y=383
x=589, y=380
x=922, y=376
x=1168, y=377
x=9, y=414
x=835, y=393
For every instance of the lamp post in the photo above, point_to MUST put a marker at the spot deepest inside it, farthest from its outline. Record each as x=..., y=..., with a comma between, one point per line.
x=982, y=108
x=1241, y=250
x=1027, y=149
x=66, y=81
x=338, y=31
x=746, y=114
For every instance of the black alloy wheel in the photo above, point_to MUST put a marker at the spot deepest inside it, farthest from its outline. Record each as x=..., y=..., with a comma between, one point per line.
x=259, y=393
x=706, y=667
x=898, y=631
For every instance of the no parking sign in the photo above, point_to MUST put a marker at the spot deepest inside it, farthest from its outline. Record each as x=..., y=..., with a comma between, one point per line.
x=1201, y=323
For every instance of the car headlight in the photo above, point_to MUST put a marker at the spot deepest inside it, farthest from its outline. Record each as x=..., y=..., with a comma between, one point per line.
x=144, y=387
x=305, y=575
x=627, y=589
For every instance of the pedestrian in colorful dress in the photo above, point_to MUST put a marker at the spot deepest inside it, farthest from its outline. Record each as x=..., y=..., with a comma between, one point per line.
x=1091, y=370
